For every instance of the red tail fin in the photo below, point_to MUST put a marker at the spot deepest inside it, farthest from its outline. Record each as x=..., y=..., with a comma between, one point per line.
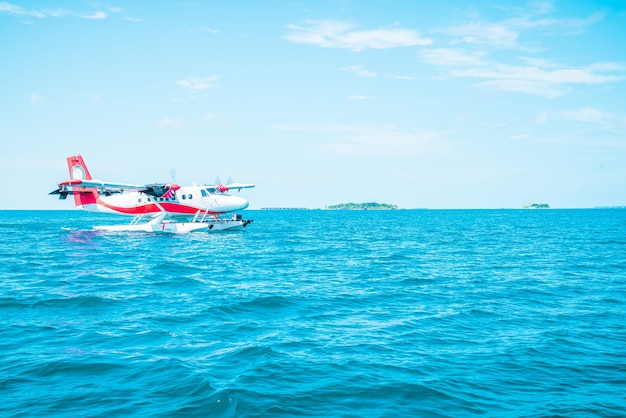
x=77, y=167
x=78, y=171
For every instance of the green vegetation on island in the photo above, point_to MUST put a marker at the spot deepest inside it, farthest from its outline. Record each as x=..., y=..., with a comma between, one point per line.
x=537, y=206
x=362, y=206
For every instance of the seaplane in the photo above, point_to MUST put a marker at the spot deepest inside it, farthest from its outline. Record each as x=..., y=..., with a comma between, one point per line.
x=157, y=207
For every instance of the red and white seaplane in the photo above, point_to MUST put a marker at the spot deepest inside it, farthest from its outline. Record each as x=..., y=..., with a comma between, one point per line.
x=159, y=207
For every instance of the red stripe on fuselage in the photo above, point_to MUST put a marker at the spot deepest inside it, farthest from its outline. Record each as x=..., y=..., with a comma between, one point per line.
x=170, y=207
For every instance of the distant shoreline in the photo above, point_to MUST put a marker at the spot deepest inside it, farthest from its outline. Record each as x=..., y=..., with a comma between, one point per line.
x=363, y=206
x=309, y=209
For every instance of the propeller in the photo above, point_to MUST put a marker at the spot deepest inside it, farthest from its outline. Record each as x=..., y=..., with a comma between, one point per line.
x=161, y=189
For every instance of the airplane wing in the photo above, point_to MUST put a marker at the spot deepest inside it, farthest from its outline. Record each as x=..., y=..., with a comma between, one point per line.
x=156, y=189
x=238, y=186
x=224, y=188
x=100, y=184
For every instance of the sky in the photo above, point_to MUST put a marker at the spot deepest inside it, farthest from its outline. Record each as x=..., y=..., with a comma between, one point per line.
x=422, y=104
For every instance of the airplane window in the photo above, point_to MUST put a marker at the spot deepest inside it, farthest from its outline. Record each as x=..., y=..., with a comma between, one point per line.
x=203, y=192
x=139, y=200
x=184, y=197
x=190, y=197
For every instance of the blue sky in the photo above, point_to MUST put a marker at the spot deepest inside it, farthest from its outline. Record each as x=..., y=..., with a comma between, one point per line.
x=449, y=104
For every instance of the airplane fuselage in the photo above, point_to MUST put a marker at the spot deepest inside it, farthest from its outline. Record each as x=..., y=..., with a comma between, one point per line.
x=186, y=201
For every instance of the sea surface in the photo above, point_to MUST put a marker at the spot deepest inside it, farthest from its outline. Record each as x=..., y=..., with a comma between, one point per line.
x=421, y=313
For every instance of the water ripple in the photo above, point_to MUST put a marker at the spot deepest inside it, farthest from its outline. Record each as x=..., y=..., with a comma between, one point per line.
x=404, y=313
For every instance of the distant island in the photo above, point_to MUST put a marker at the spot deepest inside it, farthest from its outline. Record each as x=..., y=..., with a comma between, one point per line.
x=363, y=206
x=537, y=206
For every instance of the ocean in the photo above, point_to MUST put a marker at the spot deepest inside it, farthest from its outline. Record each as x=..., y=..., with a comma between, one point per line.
x=421, y=313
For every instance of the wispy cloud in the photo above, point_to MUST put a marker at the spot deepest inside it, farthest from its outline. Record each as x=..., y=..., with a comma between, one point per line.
x=451, y=57
x=494, y=34
x=528, y=75
x=336, y=34
x=385, y=141
x=194, y=84
x=365, y=140
x=170, y=123
x=45, y=13
x=35, y=99
x=476, y=51
x=548, y=80
x=589, y=117
x=541, y=118
x=587, y=114
x=359, y=70
x=536, y=88
x=604, y=120
x=95, y=15
x=203, y=30
x=18, y=11
x=506, y=33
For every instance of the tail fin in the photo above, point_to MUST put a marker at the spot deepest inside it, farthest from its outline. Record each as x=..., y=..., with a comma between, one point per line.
x=78, y=171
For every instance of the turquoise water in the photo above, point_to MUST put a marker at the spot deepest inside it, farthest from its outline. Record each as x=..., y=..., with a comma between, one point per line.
x=428, y=313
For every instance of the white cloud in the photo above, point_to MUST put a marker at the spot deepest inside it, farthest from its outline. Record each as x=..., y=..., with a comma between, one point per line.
x=17, y=10
x=379, y=141
x=42, y=14
x=35, y=98
x=536, y=88
x=359, y=70
x=194, y=84
x=494, y=34
x=202, y=30
x=606, y=121
x=95, y=15
x=544, y=79
x=506, y=33
x=529, y=75
x=452, y=58
x=589, y=116
x=170, y=123
x=541, y=118
x=335, y=34
x=555, y=75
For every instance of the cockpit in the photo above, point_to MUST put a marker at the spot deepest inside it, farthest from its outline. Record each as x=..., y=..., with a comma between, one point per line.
x=209, y=190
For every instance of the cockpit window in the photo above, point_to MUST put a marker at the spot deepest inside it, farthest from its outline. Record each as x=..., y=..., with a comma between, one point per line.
x=214, y=190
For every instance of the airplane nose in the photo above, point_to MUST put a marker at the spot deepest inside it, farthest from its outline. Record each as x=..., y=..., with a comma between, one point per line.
x=238, y=203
